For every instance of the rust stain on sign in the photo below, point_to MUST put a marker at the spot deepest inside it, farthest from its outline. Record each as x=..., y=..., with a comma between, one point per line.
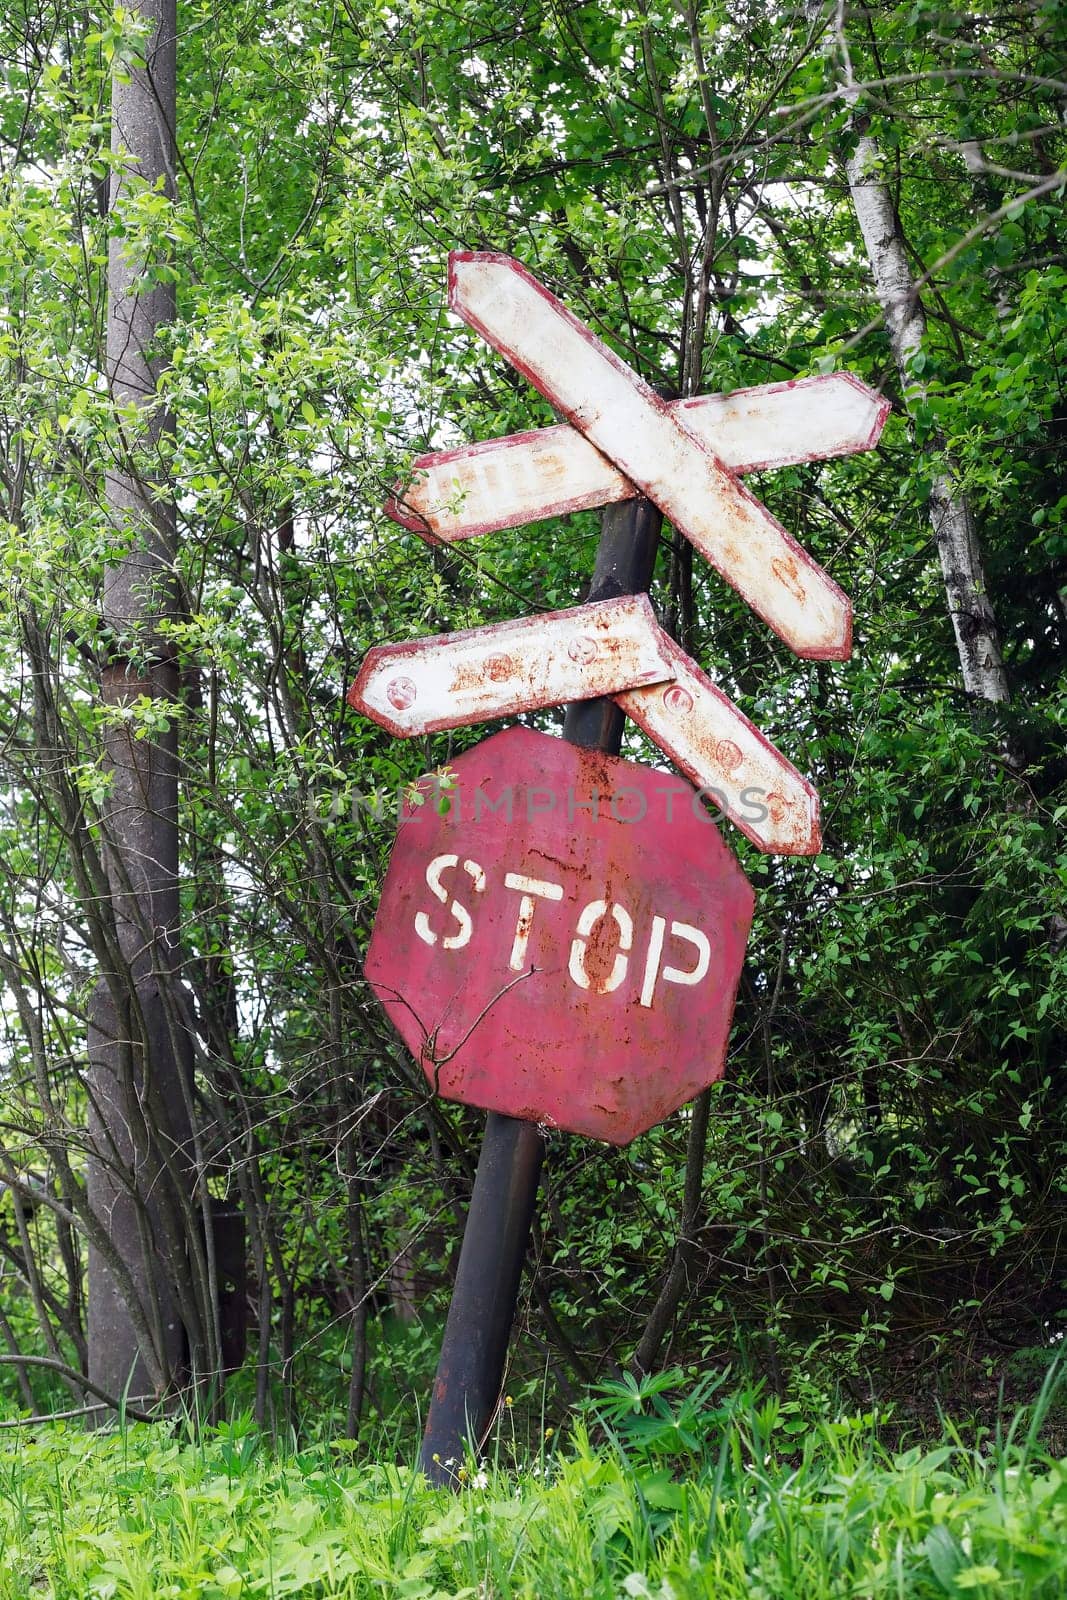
x=785, y=568
x=727, y=757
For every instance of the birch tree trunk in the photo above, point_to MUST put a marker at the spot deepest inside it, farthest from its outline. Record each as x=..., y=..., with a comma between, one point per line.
x=951, y=518
x=140, y=1073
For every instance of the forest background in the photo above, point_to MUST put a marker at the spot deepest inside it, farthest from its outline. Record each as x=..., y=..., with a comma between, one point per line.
x=730, y=195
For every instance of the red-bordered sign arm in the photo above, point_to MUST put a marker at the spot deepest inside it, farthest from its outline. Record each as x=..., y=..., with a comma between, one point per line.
x=475, y=674
x=550, y=472
x=621, y=415
x=731, y=762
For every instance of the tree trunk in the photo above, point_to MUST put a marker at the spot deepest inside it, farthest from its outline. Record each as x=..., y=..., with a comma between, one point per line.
x=140, y=1076
x=951, y=518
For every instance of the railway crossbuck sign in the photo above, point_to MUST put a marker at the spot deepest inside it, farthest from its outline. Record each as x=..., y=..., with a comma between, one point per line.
x=575, y=905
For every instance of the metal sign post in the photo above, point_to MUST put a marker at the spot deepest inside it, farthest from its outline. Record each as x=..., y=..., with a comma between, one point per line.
x=470, y=1368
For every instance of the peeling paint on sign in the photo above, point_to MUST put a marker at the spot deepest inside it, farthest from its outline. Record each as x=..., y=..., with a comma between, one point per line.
x=455, y=678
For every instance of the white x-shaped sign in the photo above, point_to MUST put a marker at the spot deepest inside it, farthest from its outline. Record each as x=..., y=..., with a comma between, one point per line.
x=666, y=452
x=624, y=440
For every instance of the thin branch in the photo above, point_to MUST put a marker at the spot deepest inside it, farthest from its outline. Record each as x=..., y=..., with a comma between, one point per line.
x=83, y=1382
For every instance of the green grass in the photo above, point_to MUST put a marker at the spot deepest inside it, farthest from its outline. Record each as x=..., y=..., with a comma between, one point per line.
x=683, y=1500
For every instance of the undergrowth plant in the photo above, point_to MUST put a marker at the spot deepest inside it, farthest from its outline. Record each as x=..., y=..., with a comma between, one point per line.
x=654, y=1495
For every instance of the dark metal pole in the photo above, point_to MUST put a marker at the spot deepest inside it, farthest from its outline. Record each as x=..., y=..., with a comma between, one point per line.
x=470, y=1369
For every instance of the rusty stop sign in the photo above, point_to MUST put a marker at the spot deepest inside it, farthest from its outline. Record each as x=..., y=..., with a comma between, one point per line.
x=564, y=944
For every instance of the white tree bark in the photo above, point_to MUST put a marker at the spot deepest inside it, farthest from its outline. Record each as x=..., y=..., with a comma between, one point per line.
x=951, y=518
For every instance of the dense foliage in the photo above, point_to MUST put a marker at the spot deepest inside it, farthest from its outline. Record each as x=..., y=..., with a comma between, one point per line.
x=885, y=1162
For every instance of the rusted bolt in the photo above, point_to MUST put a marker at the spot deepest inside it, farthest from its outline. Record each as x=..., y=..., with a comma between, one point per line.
x=401, y=693
x=498, y=667
x=583, y=649
x=678, y=699
x=728, y=754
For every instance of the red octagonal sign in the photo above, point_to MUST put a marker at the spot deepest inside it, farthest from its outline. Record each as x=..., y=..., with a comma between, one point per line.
x=564, y=944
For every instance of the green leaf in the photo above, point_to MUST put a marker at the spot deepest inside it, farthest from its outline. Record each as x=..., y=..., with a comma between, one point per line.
x=944, y=1555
